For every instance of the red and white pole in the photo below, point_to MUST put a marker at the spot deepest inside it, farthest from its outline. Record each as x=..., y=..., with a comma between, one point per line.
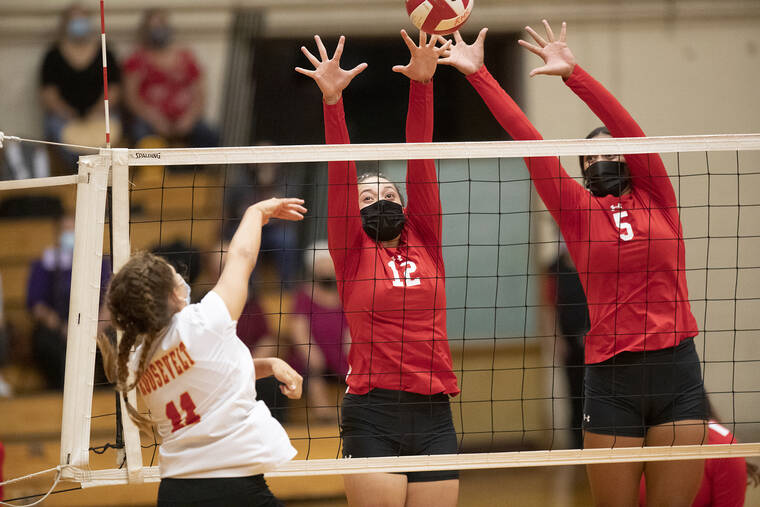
x=105, y=72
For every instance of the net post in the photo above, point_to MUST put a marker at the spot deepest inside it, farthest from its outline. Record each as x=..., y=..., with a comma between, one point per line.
x=89, y=222
x=121, y=251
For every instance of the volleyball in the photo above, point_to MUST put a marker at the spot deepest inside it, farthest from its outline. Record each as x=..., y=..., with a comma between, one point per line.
x=439, y=16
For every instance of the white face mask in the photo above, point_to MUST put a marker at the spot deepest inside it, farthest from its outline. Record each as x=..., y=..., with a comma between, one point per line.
x=187, y=288
x=67, y=240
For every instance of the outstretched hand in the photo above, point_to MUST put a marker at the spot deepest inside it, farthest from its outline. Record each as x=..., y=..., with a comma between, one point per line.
x=286, y=208
x=466, y=58
x=328, y=75
x=558, y=59
x=423, y=58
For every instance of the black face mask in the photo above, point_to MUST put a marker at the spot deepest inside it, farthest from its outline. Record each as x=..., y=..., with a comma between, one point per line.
x=606, y=177
x=383, y=220
x=160, y=36
x=327, y=283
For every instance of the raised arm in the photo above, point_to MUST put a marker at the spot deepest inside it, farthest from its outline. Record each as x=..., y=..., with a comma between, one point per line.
x=562, y=195
x=648, y=173
x=344, y=226
x=424, y=205
x=232, y=286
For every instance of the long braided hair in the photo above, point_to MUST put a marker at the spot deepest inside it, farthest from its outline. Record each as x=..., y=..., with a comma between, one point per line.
x=139, y=301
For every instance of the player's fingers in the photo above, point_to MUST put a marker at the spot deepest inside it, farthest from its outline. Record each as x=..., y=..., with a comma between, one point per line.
x=423, y=39
x=309, y=56
x=293, y=394
x=458, y=37
x=305, y=72
x=292, y=200
x=446, y=48
x=563, y=33
x=482, y=36
x=530, y=47
x=357, y=70
x=321, y=48
x=297, y=208
x=408, y=40
x=540, y=40
x=549, y=32
x=339, y=50
x=399, y=68
x=539, y=70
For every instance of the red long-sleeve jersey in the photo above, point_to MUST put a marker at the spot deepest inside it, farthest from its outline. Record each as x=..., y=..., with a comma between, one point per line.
x=394, y=298
x=628, y=250
x=724, y=483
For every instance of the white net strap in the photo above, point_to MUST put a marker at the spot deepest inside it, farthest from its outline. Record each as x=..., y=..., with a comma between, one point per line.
x=465, y=150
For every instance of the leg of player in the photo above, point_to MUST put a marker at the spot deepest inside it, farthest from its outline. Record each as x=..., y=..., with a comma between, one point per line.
x=675, y=483
x=614, y=483
x=432, y=494
x=375, y=490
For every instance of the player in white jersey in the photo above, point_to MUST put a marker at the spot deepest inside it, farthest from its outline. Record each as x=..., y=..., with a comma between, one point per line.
x=197, y=377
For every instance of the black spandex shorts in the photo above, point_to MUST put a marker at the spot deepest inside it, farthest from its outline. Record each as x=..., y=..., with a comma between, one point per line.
x=221, y=492
x=396, y=423
x=633, y=391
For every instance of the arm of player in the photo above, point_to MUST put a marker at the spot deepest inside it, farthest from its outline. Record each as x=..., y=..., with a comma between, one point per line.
x=232, y=286
x=562, y=195
x=344, y=227
x=424, y=206
x=291, y=383
x=647, y=170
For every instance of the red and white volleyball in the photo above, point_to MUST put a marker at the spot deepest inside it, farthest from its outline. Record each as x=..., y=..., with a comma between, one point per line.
x=439, y=16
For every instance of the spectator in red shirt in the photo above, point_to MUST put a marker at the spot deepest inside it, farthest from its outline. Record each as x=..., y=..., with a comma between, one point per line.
x=164, y=89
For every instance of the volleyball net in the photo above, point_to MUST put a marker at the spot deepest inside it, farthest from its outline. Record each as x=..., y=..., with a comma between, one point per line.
x=498, y=244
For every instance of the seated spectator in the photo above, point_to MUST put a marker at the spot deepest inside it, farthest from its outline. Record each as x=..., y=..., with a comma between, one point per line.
x=320, y=332
x=564, y=293
x=279, y=240
x=48, y=296
x=72, y=85
x=164, y=89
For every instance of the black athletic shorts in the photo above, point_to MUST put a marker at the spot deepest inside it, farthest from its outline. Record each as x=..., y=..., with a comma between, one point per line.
x=396, y=423
x=633, y=391
x=221, y=492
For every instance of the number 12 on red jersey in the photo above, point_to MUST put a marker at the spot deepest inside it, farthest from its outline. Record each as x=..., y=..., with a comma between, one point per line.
x=188, y=406
x=409, y=267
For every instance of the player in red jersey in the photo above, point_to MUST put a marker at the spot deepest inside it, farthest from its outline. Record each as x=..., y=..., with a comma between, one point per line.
x=643, y=383
x=390, y=274
x=725, y=480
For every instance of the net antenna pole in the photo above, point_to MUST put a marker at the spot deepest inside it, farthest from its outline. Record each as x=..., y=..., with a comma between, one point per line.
x=120, y=255
x=105, y=72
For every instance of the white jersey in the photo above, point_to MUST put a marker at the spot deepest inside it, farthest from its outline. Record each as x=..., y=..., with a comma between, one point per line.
x=199, y=387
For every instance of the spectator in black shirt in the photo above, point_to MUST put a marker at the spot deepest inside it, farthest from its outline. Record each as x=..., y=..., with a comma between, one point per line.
x=565, y=293
x=72, y=84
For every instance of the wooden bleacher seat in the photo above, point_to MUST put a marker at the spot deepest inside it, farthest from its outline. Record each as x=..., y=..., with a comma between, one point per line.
x=160, y=193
